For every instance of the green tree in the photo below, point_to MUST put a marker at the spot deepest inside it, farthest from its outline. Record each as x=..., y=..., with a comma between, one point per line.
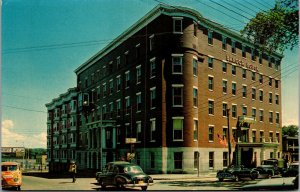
x=276, y=29
x=290, y=130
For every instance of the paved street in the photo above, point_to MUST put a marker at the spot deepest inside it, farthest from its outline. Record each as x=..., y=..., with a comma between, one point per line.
x=170, y=183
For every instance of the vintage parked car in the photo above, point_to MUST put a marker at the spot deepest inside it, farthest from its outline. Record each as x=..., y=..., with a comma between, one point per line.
x=267, y=171
x=123, y=174
x=292, y=171
x=236, y=173
x=11, y=175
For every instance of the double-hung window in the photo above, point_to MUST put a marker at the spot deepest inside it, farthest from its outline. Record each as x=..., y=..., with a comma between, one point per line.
x=224, y=111
x=224, y=43
x=177, y=25
x=211, y=107
x=153, y=97
x=244, y=91
x=271, y=116
x=138, y=102
x=244, y=110
x=177, y=60
x=195, y=129
x=153, y=129
x=277, y=117
x=138, y=74
x=233, y=88
x=224, y=67
x=210, y=133
x=195, y=67
x=138, y=131
x=177, y=93
x=253, y=93
x=118, y=83
x=195, y=97
x=151, y=42
x=210, y=62
x=261, y=95
x=244, y=73
x=254, y=113
x=210, y=83
x=178, y=128
x=152, y=67
x=233, y=69
x=233, y=48
x=224, y=85
x=243, y=51
x=261, y=115
x=234, y=110
x=127, y=79
x=127, y=104
x=210, y=37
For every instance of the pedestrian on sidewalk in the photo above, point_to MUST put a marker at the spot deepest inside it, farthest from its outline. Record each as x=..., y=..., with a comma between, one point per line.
x=73, y=170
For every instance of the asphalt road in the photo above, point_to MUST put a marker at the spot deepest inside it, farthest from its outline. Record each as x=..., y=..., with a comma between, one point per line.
x=46, y=184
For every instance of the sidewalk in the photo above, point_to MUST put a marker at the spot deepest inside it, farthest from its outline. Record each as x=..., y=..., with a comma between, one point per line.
x=183, y=176
x=154, y=176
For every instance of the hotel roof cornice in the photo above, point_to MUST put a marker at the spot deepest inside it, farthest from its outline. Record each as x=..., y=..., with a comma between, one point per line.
x=174, y=11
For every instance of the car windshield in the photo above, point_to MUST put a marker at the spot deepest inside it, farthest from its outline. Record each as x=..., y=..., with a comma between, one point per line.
x=9, y=167
x=133, y=169
x=294, y=166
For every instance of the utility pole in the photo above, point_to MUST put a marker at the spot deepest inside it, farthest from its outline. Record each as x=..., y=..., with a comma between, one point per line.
x=228, y=138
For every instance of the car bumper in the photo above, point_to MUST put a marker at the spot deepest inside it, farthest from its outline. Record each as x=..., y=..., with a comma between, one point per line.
x=137, y=184
x=225, y=176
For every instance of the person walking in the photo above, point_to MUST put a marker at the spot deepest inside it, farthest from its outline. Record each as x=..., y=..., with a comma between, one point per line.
x=73, y=170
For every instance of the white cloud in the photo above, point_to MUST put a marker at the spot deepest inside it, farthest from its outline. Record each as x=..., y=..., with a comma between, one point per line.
x=11, y=138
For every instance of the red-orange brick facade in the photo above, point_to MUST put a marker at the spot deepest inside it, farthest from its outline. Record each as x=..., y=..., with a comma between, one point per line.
x=167, y=82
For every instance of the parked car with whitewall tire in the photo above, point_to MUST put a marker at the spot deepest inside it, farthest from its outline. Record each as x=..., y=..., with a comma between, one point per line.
x=124, y=175
x=236, y=173
x=292, y=171
x=267, y=171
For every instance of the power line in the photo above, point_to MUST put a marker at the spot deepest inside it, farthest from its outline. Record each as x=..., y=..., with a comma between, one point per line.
x=239, y=9
x=261, y=4
x=221, y=12
x=230, y=9
x=24, y=109
x=255, y=6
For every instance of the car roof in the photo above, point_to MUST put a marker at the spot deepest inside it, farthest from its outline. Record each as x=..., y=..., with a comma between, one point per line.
x=118, y=162
x=9, y=163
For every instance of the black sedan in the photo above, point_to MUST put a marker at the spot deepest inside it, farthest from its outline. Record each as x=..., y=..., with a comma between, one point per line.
x=236, y=173
x=124, y=175
x=292, y=171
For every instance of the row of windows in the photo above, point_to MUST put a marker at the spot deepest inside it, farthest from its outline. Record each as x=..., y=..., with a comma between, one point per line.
x=95, y=77
x=114, y=109
x=177, y=94
x=244, y=111
x=177, y=28
x=244, y=90
x=178, y=127
x=177, y=66
x=245, y=137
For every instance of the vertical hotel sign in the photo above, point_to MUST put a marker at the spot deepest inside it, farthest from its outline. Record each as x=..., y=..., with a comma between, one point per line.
x=241, y=63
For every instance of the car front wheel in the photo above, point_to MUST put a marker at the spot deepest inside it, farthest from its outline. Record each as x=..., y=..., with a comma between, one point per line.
x=144, y=188
x=236, y=178
x=221, y=179
x=101, y=184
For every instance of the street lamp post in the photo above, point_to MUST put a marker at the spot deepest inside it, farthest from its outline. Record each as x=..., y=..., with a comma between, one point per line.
x=228, y=142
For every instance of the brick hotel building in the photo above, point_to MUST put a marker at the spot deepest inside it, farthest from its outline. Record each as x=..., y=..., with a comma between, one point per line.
x=159, y=93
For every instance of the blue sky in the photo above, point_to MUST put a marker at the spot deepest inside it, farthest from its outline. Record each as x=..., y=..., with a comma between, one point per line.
x=43, y=42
